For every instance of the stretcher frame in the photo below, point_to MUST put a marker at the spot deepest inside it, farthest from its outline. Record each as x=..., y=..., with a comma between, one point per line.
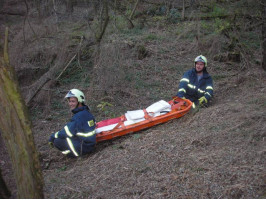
x=179, y=107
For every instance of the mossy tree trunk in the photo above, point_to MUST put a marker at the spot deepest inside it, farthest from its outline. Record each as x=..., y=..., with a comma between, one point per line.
x=16, y=131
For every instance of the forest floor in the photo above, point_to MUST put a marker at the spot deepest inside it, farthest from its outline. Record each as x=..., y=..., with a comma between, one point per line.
x=214, y=152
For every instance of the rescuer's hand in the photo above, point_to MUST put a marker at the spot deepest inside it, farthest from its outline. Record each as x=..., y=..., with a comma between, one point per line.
x=52, y=138
x=203, y=100
x=51, y=144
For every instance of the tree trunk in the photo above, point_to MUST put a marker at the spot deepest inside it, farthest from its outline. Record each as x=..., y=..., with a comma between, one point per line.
x=38, y=7
x=263, y=4
x=4, y=192
x=16, y=131
x=69, y=7
x=183, y=11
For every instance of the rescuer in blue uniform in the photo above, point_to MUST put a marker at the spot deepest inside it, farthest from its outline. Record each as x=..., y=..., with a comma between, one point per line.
x=78, y=137
x=196, y=84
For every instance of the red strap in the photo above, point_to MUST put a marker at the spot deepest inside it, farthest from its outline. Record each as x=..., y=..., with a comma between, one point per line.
x=146, y=115
x=121, y=123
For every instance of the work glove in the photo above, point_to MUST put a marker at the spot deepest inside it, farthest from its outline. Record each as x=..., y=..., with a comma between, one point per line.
x=174, y=98
x=51, y=140
x=51, y=144
x=202, y=101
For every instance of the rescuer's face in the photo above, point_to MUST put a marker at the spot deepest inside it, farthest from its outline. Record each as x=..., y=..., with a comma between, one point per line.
x=73, y=103
x=199, y=66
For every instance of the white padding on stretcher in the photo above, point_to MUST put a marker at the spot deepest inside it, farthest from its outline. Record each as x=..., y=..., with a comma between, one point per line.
x=129, y=122
x=158, y=107
x=134, y=115
x=110, y=127
x=105, y=128
x=162, y=112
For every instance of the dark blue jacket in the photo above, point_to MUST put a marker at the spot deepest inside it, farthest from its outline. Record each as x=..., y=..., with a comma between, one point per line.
x=78, y=136
x=192, y=89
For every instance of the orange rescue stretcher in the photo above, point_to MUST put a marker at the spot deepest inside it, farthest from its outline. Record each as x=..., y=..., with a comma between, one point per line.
x=179, y=107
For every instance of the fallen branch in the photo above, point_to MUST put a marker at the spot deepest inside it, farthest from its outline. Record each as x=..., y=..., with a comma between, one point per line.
x=35, y=88
x=50, y=75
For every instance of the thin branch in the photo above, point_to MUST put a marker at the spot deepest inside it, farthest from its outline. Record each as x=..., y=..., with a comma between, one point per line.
x=134, y=9
x=27, y=19
x=106, y=20
x=54, y=8
x=66, y=67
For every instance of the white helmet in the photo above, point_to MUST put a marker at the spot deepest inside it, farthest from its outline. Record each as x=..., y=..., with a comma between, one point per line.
x=201, y=58
x=76, y=93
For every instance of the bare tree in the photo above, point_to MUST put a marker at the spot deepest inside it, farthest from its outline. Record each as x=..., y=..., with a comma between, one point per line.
x=16, y=131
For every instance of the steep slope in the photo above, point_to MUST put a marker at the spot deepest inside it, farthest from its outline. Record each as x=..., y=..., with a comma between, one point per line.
x=214, y=152
x=218, y=152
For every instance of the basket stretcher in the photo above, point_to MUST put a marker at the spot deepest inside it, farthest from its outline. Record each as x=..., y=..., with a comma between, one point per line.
x=119, y=126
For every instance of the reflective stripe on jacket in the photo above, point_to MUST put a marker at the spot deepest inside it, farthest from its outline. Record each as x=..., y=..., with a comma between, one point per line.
x=192, y=89
x=80, y=128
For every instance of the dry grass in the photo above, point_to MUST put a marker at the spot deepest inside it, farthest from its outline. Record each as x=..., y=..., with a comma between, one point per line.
x=218, y=152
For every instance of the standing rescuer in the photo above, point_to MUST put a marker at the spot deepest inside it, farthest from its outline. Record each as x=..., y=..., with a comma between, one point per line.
x=196, y=84
x=78, y=137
